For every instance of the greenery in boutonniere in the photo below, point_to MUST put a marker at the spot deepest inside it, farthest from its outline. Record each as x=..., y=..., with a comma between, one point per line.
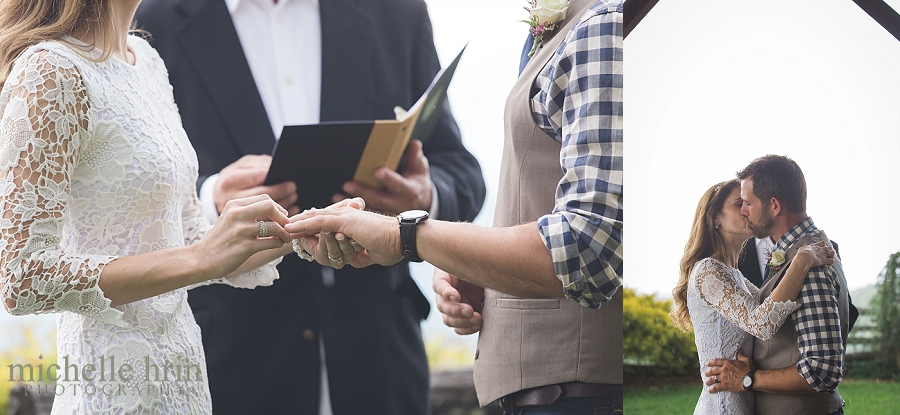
x=544, y=19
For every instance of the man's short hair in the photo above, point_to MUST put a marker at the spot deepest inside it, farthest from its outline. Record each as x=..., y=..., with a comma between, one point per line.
x=778, y=177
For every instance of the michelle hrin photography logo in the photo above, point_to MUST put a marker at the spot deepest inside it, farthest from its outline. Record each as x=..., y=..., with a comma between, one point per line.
x=109, y=376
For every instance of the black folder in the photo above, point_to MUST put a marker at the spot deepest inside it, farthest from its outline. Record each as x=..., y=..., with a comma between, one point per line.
x=320, y=158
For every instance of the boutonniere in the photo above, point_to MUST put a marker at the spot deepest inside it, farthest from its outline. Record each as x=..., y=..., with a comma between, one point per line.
x=776, y=259
x=544, y=19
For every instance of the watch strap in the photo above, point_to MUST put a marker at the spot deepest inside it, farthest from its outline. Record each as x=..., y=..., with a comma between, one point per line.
x=408, y=240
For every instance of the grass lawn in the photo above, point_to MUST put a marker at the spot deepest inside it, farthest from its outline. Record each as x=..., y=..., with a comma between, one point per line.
x=679, y=396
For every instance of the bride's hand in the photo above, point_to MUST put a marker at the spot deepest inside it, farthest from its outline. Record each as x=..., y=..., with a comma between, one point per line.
x=817, y=254
x=237, y=234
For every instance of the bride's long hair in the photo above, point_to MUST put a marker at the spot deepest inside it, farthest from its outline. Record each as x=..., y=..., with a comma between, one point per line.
x=705, y=242
x=26, y=22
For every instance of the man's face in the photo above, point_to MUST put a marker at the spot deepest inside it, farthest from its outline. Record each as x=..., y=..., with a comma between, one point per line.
x=755, y=211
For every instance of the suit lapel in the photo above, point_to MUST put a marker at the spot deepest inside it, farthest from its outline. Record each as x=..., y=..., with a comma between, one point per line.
x=751, y=261
x=347, y=51
x=211, y=44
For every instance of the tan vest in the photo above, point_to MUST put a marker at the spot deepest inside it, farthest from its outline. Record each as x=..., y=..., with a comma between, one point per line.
x=526, y=343
x=782, y=350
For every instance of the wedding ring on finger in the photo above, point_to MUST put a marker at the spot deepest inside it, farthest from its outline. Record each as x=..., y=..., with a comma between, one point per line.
x=716, y=378
x=263, y=229
x=339, y=260
x=301, y=252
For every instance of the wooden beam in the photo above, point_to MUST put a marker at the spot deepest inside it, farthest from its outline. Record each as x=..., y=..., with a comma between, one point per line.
x=635, y=10
x=883, y=13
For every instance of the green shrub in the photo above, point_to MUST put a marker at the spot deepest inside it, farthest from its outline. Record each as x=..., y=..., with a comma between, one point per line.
x=27, y=350
x=652, y=346
x=886, y=311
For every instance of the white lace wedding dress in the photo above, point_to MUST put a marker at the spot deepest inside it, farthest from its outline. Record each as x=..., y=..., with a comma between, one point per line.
x=725, y=312
x=96, y=165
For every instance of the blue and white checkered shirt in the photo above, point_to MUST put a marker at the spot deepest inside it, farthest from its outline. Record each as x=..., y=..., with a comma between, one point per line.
x=817, y=321
x=580, y=105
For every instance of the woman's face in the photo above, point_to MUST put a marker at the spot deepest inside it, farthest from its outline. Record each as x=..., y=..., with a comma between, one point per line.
x=730, y=219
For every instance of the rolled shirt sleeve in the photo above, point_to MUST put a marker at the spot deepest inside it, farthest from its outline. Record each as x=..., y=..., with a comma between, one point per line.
x=580, y=105
x=817, y=322
x=818, y=326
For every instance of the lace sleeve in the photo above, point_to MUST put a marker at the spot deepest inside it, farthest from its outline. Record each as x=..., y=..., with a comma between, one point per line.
x=44, y=106
x=718, y=287
x=196, y=226
x=754, y=290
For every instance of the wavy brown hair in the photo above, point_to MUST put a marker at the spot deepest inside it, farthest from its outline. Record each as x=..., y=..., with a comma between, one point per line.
x=26, y=22
x=704, y=242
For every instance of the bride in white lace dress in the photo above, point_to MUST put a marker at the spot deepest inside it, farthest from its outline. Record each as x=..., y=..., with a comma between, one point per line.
x=719, y=304
x=100, y=217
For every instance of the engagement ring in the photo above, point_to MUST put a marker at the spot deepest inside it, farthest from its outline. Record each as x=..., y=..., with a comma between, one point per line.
x=263, y=229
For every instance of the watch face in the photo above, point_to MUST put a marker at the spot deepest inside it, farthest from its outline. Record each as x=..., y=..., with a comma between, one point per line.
x=413, y=215
x=747, y=382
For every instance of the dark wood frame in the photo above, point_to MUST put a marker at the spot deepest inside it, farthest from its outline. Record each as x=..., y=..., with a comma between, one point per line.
x=881, y=12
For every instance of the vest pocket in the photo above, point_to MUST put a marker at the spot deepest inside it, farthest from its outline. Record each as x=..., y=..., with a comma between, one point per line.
x=528, y=304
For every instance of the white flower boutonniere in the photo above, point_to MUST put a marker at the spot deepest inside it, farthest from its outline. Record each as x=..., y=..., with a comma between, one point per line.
x=545, y=14
x=776, y=259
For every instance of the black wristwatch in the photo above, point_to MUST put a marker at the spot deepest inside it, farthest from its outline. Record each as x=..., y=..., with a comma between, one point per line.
x=409, y=220
x=748, y=380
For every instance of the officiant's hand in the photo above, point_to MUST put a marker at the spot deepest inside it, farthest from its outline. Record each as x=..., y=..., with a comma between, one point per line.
x=410, y=189
x=726, y=375
x=460, y=302
x=245, y=178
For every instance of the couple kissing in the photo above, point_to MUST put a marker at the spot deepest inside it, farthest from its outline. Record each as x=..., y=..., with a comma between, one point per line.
x=779, y=347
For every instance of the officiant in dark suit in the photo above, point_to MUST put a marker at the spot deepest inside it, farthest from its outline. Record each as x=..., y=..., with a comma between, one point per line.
x=752, y=262
x=243, y=69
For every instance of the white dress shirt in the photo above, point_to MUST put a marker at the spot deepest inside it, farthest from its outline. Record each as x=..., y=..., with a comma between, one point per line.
x=283, y=45
x=763, y=247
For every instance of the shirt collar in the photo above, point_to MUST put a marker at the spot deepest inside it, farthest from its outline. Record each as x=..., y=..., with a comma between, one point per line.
x=232, y=5
x=805, y=227
x=765, y=242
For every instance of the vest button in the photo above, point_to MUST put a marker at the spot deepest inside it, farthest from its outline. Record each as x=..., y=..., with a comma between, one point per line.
x=309, y=335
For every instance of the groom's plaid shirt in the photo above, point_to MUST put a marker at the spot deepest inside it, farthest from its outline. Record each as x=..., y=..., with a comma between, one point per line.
x=580, y=105
x=817, y=321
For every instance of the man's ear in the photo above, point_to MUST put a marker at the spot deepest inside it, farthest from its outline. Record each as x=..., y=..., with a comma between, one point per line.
x=775, y=206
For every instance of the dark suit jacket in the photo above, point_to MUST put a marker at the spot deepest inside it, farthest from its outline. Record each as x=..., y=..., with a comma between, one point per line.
x=261, y=345
x=748, y=263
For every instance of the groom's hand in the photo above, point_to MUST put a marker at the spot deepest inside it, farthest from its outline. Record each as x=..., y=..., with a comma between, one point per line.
x=407, y=190
x=726, y=375
x=459, y=301
x=375, y=237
